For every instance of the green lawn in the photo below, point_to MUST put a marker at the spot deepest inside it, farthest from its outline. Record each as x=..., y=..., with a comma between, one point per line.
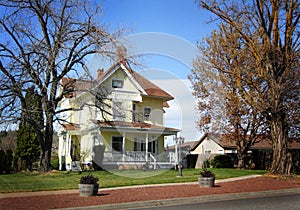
x=58, y=180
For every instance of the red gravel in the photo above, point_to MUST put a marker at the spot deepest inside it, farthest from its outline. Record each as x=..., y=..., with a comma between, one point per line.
x=51, y=201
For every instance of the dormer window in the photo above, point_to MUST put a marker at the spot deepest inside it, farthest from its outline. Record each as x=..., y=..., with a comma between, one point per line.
x=117, y=83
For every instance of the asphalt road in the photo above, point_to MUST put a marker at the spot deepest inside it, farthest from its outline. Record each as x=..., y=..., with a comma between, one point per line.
x=278, y=202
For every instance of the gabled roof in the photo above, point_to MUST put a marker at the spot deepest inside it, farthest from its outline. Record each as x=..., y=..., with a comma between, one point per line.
x=150, y=88
x=74, y=87
x=228, y=142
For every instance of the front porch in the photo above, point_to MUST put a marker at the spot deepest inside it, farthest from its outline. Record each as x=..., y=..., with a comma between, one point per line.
x=117, y=146
x=138, y=160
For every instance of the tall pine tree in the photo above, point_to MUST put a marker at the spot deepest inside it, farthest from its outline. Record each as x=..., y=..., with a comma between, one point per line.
x=28, y=145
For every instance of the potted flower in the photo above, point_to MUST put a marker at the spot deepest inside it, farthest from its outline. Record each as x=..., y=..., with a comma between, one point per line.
x=206, y=179
x=88, y=185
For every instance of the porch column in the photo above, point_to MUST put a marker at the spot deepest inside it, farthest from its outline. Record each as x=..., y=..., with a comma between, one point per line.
x=123, y=145
x=68, y=152
x=99, y=135
x=69, y=145
x=176, y=153
x=147, y=139
x=62, y=151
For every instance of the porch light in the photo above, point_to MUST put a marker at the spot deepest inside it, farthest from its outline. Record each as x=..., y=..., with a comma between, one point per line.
x=179, y=141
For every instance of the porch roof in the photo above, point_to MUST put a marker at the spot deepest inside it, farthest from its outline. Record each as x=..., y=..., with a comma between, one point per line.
x=71, y=127
x=134, y=126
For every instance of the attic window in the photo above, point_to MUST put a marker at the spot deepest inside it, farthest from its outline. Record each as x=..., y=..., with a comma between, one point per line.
x=117, y=83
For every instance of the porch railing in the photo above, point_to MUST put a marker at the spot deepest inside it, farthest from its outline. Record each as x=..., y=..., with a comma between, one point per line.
x=139, y=156
x=152, y=160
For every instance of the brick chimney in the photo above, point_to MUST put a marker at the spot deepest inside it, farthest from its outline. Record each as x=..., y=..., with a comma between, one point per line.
x=99, y=74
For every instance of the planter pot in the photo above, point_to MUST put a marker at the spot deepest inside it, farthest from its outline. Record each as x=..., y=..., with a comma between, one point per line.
x=88, y=189
x=206, y=181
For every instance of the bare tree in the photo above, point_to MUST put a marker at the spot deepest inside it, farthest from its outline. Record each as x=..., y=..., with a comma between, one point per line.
x=264, y=62
x=41, y=42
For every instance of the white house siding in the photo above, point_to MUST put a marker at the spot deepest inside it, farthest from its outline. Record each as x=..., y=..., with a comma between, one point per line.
x=156, y=105
x=86, y=145
x=89, y=135
x=126, y=99
x=208, y=147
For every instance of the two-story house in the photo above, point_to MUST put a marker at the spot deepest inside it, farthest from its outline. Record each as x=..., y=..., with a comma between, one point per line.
x=116, y=121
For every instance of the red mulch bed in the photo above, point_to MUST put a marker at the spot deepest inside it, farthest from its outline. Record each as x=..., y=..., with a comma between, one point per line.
x=147, y=193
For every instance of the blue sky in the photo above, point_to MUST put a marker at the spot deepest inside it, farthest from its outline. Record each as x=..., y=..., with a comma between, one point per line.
x=177, y=17
x=165, y=33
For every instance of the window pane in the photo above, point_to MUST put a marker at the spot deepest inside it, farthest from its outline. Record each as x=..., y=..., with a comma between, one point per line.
x=117, y=83
x=147, y=112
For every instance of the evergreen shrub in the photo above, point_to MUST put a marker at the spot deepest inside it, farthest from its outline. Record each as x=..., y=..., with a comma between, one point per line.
x=222, y=161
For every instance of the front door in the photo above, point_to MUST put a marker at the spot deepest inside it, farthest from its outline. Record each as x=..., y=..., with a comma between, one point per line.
x=117, y=144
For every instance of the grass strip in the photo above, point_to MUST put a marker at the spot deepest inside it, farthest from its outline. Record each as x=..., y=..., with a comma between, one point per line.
x=61, y=180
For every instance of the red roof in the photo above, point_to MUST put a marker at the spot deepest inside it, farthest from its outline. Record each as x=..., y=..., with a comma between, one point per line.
x=134, y=125
x=150, y=88
x=83, y=85
x=165, y=104
x=71, y=127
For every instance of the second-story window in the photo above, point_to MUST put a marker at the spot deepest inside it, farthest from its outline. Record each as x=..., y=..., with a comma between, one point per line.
x=117, y=83
x=147, y=112
x=118, y=111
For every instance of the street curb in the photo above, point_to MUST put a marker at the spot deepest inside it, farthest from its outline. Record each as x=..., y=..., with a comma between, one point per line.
x=190, y=200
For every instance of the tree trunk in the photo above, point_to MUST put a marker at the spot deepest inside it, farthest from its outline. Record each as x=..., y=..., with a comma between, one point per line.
x=46, y=145
x=45, y=165
x=279, y=137
x=242, y=151
x=241, y=160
